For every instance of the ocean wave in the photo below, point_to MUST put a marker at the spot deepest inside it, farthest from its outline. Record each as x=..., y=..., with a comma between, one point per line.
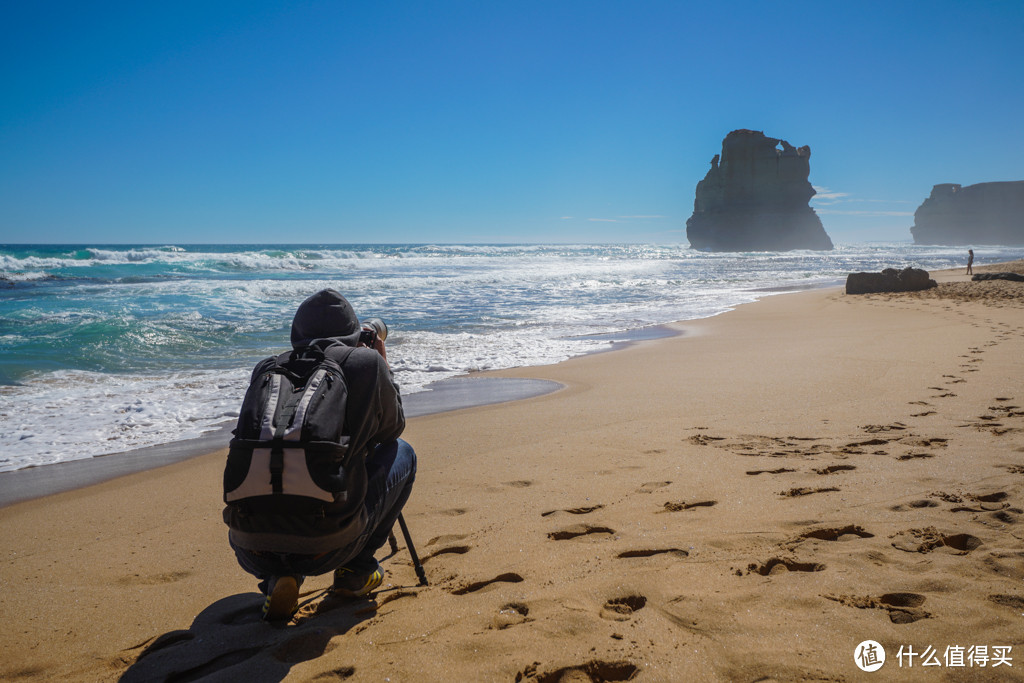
x=130, y=255
x=25, y=276
x=73, y=415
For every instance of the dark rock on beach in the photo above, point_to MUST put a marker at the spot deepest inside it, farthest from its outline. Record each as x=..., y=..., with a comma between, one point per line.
x=986, y=213
x=1013, y=277
x=755, y=198
x=889, y=280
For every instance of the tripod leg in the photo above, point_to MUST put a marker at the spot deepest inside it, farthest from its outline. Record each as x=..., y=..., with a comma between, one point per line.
x=412, y=551
x=393, y=541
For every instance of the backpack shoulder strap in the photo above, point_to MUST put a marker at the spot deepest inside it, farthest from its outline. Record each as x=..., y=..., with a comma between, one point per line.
x=346, y=352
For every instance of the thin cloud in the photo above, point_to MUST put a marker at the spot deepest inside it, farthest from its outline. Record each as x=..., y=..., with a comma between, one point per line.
x=864, y=213
x=603, y=220
x=826, y=193
x=826, y=198
x=889, y=201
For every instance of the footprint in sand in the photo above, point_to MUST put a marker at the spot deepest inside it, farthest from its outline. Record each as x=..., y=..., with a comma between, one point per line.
x=928, y=539
x=861, y=444
x=651, y=552
x=622, y=609
x=446, y=538
x=398, y=595
x=947, y=497
x=988, y=423
x=845, y=533
x=832, y=469
x=652, y=486
x=510, y=614
x=704, y=439
x=781, y=565
x=585, y=510
x=1004, y=516
x=780, y=470
x=915, y=456
x=903, y=608
x=676, y=506
x=806, y=491
x=989, y=502
x=581, y=530
x=594, y=670
x=894, y=427
x=914, y=505
x=857, y=447
x=451, y=550
x=1015, y=602
x=933, y=442
x=1007, y=410
x=508, y=577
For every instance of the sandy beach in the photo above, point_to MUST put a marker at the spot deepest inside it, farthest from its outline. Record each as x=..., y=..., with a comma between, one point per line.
x=747, y=501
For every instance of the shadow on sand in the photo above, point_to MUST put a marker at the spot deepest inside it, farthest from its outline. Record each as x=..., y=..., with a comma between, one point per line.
x=229, y=641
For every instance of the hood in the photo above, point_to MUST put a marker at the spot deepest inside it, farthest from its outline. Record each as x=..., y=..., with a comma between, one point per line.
x=325, y=315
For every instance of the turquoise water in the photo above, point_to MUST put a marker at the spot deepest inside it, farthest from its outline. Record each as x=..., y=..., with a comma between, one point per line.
x=108, y=348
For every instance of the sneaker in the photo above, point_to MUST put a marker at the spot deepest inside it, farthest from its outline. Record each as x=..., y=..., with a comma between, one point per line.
x=282, y=600
x=354, y=584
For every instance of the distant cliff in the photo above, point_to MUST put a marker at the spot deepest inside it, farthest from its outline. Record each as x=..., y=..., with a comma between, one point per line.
x=986, y=213
x=755, y=198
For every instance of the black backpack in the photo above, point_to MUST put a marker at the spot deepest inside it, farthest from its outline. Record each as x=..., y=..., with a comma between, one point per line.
x=290, y=449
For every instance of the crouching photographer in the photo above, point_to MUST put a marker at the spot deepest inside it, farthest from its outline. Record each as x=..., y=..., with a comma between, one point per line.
x=316, y=474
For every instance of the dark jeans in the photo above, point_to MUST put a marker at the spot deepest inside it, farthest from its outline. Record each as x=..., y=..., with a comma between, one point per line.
x=390, y=473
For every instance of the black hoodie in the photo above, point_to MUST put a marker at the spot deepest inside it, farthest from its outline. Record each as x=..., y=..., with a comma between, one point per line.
x=374, y=403
x=373, y=415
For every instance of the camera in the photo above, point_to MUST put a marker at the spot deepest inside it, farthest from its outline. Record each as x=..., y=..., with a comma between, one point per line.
x=372, y=329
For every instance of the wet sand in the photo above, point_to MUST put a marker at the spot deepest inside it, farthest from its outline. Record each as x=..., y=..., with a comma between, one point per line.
x=748, y=501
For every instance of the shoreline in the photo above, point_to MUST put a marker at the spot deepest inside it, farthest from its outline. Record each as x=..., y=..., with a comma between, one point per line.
x=747, y=501
x=452, y=394
x=40, y=481
x=455, y=393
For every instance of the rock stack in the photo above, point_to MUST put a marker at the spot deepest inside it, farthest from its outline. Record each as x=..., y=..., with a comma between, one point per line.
x=755, y=198
x=986, y=213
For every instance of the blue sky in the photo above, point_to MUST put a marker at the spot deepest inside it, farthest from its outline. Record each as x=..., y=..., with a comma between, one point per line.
x=590, y=121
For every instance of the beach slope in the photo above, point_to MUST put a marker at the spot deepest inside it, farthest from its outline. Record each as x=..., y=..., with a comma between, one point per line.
x=747, y=501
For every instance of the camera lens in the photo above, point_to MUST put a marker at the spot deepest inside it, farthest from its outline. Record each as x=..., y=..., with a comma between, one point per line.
x=378, y=326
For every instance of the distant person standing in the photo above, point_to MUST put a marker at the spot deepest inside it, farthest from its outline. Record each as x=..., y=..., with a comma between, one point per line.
x=970, y=261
